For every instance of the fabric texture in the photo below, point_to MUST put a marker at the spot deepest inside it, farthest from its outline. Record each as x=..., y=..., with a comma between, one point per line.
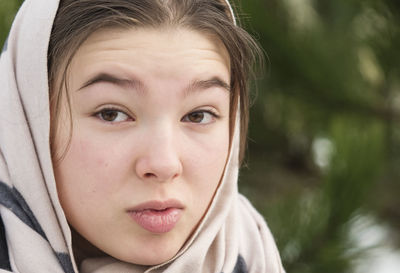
x=34, y=233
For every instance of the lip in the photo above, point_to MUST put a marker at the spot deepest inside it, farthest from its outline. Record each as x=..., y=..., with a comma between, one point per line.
x=157, y=216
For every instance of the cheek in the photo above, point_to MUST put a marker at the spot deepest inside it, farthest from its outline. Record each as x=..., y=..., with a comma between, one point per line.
x=210, y=160
x=206, y=165
x=85, y=172
x=213, y=148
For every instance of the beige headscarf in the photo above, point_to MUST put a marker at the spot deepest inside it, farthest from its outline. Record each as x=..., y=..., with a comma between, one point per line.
x=34, y=233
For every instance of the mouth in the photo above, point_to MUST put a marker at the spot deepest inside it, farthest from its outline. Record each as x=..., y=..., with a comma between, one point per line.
x=157, y=216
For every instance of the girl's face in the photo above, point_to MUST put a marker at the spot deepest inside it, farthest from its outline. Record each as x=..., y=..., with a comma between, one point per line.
x=150, y=112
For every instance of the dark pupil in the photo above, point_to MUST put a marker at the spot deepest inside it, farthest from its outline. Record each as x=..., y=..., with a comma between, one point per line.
x=109, y=115
x=196, y=117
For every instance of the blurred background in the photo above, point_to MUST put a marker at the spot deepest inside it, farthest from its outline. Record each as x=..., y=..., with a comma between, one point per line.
x=323, y=163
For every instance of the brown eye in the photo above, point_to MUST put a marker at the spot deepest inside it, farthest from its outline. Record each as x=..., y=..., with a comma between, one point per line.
x=109, y=115
x=200, y=117
x=196, y=117
x=112, y=115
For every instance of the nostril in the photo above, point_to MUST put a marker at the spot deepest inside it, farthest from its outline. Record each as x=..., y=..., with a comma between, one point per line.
x=158, y=170
x=148, y=175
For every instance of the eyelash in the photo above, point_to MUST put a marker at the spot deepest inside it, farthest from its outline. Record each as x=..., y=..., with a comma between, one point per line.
x=97, y=114
x=202, y=111
x=111, y=109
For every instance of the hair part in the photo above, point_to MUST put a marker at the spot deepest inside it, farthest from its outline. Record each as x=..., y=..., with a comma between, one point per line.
x=76, y=20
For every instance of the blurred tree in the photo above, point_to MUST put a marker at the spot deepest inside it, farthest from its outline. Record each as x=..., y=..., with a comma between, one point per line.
x=324, y=140
x=8, y=8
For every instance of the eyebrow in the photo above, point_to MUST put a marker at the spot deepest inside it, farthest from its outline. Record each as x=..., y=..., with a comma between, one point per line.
x=206, y=84
x=105, y=77
x=139, y=86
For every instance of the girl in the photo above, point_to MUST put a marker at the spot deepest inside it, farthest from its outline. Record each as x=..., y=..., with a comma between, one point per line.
x=123, y=123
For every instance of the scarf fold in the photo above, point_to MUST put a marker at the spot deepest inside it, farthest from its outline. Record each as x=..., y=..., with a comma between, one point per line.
x=34, y=233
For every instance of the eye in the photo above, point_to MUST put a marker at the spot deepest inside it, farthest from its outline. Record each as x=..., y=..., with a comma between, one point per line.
x=112, y=115
x=201, y=117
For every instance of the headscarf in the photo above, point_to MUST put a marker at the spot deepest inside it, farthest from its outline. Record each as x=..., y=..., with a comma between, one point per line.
x=34, y=233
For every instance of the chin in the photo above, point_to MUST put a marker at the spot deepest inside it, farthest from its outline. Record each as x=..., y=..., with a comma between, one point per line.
x=150, y=256
x=148, y=250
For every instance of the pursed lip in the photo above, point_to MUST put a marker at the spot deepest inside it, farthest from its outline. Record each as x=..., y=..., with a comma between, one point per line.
x=157, y=216
x=157, y=205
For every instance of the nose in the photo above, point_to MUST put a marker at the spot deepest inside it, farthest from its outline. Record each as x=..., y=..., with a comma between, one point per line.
x=160, y=160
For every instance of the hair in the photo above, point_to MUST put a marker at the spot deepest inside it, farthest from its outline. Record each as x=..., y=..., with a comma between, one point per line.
x=76, y=20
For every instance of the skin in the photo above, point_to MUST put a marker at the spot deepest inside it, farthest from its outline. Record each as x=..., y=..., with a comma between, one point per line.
x=158, y=139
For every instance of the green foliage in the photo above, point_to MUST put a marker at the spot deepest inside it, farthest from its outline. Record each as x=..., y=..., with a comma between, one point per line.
x=333, y=75
x=312, y=225
x=8, y=8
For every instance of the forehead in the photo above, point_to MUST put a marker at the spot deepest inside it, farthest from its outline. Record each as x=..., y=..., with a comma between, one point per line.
x=155, y=56
x=160, y=43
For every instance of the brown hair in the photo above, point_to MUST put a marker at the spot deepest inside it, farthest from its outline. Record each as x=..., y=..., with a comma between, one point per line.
x=77, y=19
